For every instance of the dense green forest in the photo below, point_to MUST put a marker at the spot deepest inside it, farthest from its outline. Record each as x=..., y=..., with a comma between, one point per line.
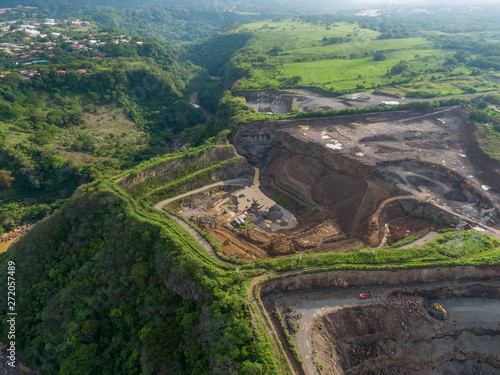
x=123, y=296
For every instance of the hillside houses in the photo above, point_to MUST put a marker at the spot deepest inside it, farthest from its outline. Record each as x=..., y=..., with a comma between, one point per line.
x=45, y=45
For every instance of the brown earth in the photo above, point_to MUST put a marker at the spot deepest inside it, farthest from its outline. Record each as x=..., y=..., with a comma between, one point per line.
x=9, y=238
x=378, y=177
x=406, y=335
x=358, y=181
x=400, y=229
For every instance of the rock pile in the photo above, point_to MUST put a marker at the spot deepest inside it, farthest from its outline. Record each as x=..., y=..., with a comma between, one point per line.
x=16, y=233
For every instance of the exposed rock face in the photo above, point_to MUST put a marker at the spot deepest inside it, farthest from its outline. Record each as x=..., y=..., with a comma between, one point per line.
x=269, y=102
x=348, y=278
x=397, y=330
x=206, y=222
x=349, y=168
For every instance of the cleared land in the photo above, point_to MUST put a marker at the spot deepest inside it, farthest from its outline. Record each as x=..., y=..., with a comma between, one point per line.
x=358, y=181
x=377, y=178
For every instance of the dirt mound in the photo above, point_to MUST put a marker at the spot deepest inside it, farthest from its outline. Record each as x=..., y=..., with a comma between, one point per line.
x=402, y=228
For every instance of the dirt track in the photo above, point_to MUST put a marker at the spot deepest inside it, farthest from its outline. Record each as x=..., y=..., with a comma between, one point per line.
x=235, y=182
x=306, y=100
x=355, y=181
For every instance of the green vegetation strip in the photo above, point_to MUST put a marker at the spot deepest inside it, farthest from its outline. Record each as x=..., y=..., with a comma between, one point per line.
x=450, y=249
x=152, y=216
x=194, y=181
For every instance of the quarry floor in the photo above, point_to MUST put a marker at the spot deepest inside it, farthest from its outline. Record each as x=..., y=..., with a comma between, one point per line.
x=306, y=100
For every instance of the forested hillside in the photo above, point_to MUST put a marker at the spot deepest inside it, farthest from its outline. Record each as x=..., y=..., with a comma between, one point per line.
x=78, y=101
x=109, y=291
x=100, y=121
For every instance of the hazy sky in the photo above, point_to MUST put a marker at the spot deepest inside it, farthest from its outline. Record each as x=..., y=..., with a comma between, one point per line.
x=392, y=2
x=427, y=2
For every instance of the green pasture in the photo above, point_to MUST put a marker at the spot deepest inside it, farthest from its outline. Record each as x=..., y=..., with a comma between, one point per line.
x=284, y=49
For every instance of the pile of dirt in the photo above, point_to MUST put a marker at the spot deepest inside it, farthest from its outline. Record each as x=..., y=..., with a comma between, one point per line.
x=233, y=246
x=275, y=244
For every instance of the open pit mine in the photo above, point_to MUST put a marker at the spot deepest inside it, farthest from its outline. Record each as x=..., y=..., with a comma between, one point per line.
x=334, y=184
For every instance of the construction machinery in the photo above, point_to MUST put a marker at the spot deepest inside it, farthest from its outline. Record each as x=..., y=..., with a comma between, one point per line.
x=439, y=307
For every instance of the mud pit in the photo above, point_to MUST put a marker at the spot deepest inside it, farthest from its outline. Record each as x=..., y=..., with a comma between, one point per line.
x=398, y=330
x=375, y=178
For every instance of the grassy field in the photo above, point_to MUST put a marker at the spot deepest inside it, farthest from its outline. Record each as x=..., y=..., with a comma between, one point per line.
x=340, y=58
x=488, y=135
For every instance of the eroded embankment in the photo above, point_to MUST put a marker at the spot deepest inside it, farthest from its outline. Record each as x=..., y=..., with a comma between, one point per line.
x=399, y=334
x=350, y=278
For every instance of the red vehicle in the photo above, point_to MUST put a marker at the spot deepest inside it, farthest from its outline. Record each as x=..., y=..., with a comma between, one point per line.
x=366, y=294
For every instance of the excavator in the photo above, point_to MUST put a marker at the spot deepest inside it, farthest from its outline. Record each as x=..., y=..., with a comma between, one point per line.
x=439, y=307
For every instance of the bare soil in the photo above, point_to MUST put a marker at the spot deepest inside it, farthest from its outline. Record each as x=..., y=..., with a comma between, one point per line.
x=378, y=177
x=404, y=335
x=334, y=184
x=397, y=330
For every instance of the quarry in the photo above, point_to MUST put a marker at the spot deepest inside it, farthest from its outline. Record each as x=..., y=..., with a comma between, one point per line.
x=397, y=330
x=366, y=181
x=334, y=184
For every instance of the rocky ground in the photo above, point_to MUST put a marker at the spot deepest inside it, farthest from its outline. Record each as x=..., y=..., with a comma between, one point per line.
x=334, y=184
x=16, y=233
x=404, y=335
x=380, y=177
x=283, y=101
x=398, y=330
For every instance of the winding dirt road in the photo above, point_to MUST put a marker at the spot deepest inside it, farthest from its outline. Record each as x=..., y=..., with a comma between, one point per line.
x=236, y=182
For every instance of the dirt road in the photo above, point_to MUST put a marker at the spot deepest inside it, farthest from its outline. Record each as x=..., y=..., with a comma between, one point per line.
x=422, y=241
x=203, y=242
x=307, y=100
x=235, y=182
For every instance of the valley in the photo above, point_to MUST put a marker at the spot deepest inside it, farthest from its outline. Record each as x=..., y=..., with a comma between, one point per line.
x=248, y=189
